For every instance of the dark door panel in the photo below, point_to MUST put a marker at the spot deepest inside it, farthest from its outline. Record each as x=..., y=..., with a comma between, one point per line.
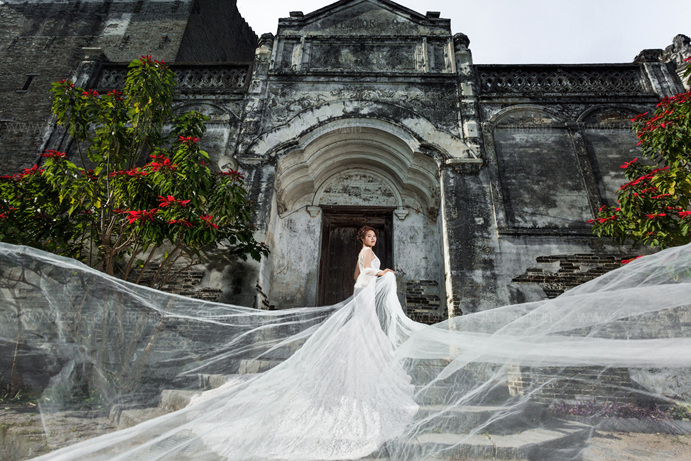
x=340, y=247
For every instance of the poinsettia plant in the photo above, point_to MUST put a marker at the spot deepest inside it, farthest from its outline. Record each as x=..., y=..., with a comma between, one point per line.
x=654, y=205
x=135, y=193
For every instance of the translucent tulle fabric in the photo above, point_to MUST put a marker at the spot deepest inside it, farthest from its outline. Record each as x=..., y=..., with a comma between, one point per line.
x=349, y=381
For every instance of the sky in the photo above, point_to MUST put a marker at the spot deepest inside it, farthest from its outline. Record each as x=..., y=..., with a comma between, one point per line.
x=530, y=31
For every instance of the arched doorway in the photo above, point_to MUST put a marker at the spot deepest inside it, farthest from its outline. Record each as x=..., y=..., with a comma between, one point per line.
x=340, y=177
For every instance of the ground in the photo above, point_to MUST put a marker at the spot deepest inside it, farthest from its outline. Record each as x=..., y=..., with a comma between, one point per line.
x=22, y=437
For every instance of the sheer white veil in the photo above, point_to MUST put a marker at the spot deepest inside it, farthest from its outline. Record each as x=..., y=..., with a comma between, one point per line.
x=346, y=381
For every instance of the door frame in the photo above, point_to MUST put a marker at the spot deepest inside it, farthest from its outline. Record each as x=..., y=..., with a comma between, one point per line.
x=381, y=217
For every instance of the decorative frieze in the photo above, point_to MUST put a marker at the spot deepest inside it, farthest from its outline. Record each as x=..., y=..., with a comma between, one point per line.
x=203, y=78
x=593, y=79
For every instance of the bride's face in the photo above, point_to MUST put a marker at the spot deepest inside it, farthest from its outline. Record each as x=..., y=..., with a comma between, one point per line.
x=370, y=239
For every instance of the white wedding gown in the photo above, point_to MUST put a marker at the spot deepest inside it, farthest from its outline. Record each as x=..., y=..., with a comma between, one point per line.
x=342, y=388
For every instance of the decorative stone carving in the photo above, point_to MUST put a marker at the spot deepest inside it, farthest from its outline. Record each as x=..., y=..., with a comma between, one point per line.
x=465, y=165
x=562, y=80
x=401, y=213
x=314, y=211
x=678, y=51
x=358, y=189
x=461, y=40
x=232, y=78
x=337, y=55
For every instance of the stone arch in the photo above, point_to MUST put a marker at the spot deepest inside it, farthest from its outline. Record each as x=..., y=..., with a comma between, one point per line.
x=609, y=141
x=215, y=112
x=537, y=169
x=411, y=127
x=339, y=148
x=525, y=115
x=609, y=116
x=352, y=166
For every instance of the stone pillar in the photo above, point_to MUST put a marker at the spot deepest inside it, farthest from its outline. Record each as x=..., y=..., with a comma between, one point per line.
x=468, y=103
x=664, y=68
x=256, y=96
x=470, y=237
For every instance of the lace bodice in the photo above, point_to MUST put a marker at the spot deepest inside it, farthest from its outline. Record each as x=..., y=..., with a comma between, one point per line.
x=375, y=263
x=367, y=274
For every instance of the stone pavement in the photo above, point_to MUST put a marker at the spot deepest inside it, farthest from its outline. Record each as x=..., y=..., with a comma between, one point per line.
x=22, y=437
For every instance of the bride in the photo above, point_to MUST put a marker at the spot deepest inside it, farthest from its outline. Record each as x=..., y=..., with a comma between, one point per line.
x=359, y=378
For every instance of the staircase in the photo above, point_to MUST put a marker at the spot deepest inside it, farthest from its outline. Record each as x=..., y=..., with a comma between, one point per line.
x=504, y=434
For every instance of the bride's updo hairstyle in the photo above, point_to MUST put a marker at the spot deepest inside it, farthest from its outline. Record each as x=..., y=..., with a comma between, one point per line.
x=363, y=231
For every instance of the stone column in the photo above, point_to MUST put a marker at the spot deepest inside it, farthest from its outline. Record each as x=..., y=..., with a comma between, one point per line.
x=468, y=103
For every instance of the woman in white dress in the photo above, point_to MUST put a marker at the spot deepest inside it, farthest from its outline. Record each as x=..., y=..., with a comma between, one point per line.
x=367, y=268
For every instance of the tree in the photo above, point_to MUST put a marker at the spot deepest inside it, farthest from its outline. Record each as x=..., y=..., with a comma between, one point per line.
x=653, y=206
x=136, y=189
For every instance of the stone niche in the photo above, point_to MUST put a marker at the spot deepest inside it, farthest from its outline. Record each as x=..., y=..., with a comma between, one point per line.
x=610, y=141
x=539, y=172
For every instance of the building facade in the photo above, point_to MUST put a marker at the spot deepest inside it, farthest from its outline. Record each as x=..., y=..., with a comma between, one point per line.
x=478, y=178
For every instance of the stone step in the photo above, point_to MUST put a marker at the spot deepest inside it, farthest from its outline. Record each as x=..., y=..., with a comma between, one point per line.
x=174, y=400
x=497, y=420
x=256, y=366
x=129, y=418
x=562, y=442
x=445, y=395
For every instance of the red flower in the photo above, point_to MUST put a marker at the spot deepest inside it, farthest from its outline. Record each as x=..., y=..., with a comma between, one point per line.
x=29, y=172
x=687, y=59
x=626, y=261
x=66, y=83
x=207, y=220
x=187, y=140
x=232, y=174
x=170, y=200
x=3, y=215
x=183, y=222
x=141, y=215
x=166, y=164
x=147, y=60
x=684, y=214
x=53, y=154
x=656, y=215
x=638, y=117
x=134, y=172
x=90, y=93
x=628, y=164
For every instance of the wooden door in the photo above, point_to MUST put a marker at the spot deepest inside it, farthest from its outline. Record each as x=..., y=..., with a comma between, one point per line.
x=340, y=248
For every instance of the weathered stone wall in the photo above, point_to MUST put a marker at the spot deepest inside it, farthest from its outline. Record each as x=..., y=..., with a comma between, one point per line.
x=553, y=138
x=487, y=168
x=42, y=42
x=45, y=39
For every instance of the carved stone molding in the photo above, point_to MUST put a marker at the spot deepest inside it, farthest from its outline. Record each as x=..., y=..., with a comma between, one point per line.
x=226, y=78
x=568, y=79
x=465, y=165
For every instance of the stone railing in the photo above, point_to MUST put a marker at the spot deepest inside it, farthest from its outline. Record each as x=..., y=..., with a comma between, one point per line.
x=207, y=78
x=561, y=79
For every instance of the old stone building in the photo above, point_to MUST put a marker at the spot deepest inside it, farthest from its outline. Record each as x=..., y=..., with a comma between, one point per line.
x=479, y=178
